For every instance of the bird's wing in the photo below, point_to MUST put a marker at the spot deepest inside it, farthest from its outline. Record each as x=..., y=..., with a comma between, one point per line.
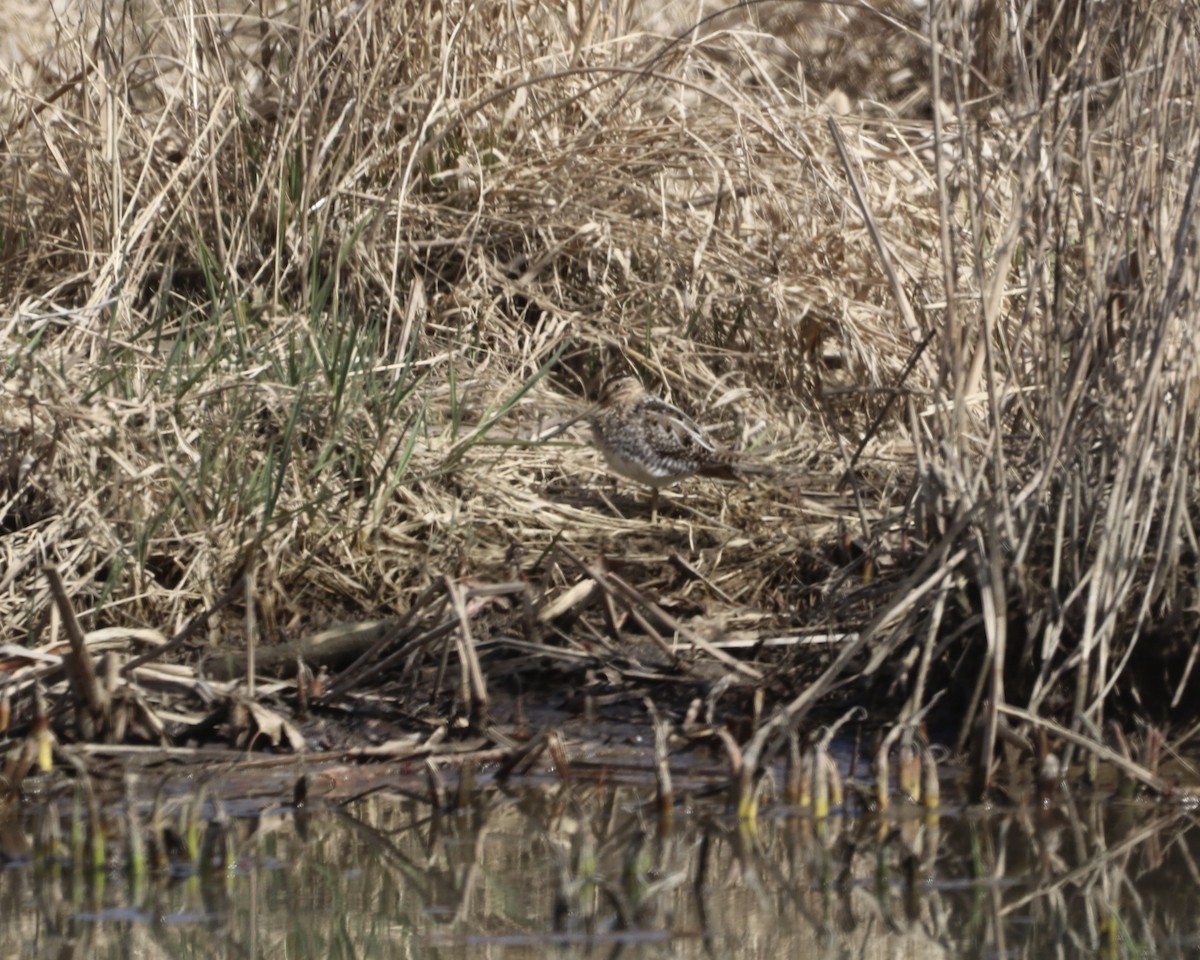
x=675, y=427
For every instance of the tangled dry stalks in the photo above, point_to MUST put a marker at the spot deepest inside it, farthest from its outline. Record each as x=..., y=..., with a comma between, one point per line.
x=289, y=307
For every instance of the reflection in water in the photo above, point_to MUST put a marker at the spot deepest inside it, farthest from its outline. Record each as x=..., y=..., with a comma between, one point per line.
x=584, y=871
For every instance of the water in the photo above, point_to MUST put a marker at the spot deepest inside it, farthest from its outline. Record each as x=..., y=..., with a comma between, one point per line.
x=587, y=869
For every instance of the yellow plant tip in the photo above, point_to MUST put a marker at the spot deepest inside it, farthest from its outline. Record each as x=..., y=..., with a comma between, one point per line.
x=45, y=752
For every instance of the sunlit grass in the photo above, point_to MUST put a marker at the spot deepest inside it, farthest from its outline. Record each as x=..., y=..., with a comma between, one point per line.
x=301, y=297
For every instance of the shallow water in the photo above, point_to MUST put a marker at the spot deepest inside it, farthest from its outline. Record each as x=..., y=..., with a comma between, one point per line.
x=587, y=869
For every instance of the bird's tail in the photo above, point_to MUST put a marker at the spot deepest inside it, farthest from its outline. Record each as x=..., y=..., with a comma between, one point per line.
x=735, y=467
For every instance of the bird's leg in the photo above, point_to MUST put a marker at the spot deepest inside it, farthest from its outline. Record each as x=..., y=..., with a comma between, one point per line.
x=654, y=505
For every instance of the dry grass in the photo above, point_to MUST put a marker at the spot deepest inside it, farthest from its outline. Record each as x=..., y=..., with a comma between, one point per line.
x=299, y=298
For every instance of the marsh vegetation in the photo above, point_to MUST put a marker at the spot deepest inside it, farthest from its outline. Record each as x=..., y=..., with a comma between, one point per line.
x=294, y=299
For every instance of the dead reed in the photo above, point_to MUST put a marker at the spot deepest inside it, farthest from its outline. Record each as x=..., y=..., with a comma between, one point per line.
x=289, y=305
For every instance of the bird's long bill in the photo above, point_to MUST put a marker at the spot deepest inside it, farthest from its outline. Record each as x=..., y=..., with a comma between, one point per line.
x=568, y=424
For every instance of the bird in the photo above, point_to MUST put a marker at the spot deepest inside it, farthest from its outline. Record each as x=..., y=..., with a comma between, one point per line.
x=648, y=441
